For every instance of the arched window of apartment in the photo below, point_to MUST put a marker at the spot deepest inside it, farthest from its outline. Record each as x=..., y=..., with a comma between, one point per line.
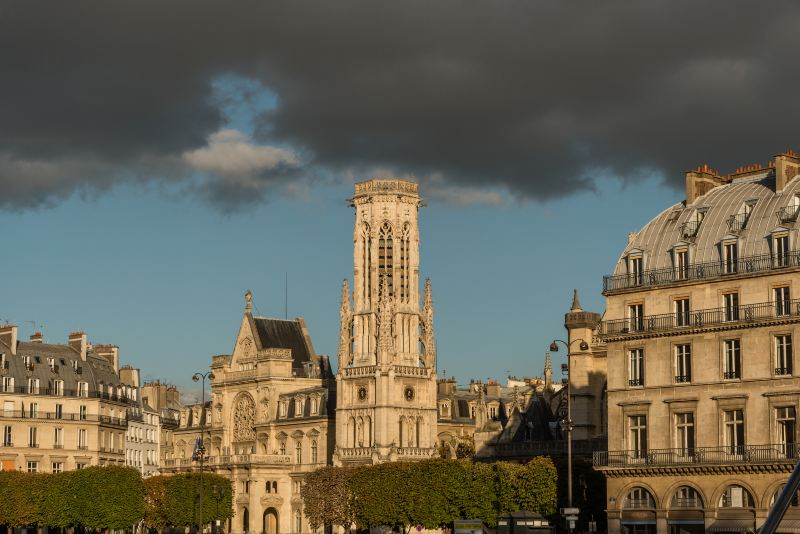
x=639, y=498
x=736, y=497
x=687, y=497
x=386, y=255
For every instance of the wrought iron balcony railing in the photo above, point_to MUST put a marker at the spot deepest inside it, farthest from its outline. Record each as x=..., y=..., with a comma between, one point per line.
x=738, y=222
x=680, y=379
x=788, y=214
x=701, y=271
x=701, y=318
x=740, y=454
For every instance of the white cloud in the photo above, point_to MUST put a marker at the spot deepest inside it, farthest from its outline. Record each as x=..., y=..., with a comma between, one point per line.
x=230, y=153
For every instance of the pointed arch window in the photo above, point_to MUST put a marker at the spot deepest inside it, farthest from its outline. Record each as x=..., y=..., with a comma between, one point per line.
x=386, y=255
x=405, y=264
x=366, y=243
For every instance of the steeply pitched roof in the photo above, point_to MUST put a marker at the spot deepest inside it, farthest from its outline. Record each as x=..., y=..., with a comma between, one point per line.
x=283, y=334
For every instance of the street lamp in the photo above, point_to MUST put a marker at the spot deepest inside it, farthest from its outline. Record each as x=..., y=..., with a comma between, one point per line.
x=568, y=423
x=218, y=493
x=201, y=451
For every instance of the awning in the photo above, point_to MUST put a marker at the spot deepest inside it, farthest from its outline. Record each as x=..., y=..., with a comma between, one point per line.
x=789, y=525
x=732, y=525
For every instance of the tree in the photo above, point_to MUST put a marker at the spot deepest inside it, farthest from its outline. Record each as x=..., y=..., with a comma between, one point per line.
x=174, y=500
x=326, y=498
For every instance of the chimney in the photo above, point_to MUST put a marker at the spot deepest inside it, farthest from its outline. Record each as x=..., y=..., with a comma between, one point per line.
x=8, y=336
x=129, y=376
x=37, y=337
x=700, y=181
x=492, y=388
x=787, y=166
x=78, y=342
x=110, y=353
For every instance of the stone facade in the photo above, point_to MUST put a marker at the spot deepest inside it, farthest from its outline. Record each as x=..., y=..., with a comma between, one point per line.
x=64, y=406
x=143, y=436
x=703, y=389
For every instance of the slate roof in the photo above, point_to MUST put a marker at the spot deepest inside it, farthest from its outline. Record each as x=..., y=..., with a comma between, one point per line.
x=286, y=334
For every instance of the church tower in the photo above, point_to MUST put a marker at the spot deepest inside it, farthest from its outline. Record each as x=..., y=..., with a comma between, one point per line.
x=386, y=384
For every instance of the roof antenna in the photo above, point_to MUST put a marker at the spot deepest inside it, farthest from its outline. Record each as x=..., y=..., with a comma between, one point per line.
x=286, y=295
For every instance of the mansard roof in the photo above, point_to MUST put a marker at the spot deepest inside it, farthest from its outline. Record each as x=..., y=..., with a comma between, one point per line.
x=285, y=334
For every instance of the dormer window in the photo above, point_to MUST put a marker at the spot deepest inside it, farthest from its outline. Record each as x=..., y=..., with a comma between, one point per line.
x=298, y=407
x=789, y=213
x=314, y=406
x=445, y=409
x=780, y=248
x=689, y=228
x=738, y=222
x=680, y=258
x=26, y=361
x=51, y=362
x=635, y=267
x=282, y=409
x=730, y=257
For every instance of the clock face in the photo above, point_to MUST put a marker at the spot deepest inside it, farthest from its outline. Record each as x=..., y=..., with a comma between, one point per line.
x=362, y=393
x=409, y=393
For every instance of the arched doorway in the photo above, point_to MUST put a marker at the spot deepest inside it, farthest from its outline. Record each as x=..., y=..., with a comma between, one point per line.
x=270, y=521
x=246, y=520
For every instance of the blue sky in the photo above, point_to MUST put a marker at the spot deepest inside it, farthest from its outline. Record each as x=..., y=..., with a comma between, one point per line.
x=163, y=276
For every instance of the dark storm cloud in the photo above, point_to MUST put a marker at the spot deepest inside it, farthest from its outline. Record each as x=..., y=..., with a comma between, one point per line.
x=537, y=98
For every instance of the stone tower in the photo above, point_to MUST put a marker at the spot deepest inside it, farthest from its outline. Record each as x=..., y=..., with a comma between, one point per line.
x=386, y=384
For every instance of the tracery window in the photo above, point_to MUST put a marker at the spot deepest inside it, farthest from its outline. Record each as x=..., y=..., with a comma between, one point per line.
x=366, y=242
x=386, y=256
x=405, y=264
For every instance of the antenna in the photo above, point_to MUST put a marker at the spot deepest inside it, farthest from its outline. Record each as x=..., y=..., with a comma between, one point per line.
x=286, y=295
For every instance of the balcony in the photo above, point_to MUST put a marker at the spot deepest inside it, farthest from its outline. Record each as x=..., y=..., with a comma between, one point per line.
x=682, y=379
x=680, y=322
x=737, y=223
x=725, y=455
x=763, y=263
x=788, y=214
x=689, y=229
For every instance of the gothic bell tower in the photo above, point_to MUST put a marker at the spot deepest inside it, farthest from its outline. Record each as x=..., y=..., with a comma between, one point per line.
x=386, y=384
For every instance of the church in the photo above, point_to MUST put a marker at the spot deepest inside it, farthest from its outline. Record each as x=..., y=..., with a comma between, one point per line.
x=278, y=410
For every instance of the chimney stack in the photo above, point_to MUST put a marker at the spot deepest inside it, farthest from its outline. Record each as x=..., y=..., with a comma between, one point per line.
x=700, y=181
x=110, y=353
x=37, y=337
x=78, y=341
x=787, y=166
x=8, y=335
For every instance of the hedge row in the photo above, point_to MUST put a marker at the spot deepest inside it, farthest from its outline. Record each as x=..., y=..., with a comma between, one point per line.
x=431, y=493
x=107, y=497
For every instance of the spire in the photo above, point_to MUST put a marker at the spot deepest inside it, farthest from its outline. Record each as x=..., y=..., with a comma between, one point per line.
x=427, y=300
x=248, y=301
x=344, y=327
x=548, y=372
x=428, y=340
x=576, y=303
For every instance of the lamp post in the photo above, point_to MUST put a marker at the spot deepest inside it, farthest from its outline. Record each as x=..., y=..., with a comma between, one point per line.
x=201, y=452
x=568, y=423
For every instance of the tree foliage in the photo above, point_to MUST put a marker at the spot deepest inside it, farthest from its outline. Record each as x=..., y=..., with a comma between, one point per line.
x=431, y=493
x=175, y=500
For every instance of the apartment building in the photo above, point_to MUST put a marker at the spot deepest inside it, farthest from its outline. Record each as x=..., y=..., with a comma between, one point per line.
x=702, y=316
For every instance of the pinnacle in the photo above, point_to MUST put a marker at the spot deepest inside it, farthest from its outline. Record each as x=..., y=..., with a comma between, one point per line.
x=576, y=303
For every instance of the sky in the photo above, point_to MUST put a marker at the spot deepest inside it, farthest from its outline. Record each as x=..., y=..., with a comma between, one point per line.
x=157, y=159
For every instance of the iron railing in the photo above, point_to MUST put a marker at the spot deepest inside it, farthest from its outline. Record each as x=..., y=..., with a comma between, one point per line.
x=701, y=318
x=701, y=271
x=738, y=222
x=83, y=394
x=739, y=454
x=21, y=414
x=788, y=214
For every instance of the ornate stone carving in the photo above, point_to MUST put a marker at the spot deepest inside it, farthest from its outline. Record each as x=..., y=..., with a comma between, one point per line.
x=385, y=319
x=345, y=322
x=428, y=341
x=244, y=412
x=246, y=345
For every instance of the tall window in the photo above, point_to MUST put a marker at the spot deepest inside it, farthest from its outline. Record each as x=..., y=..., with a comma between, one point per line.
x=366, y=239
x=734, y=431
x=682, y=312
x=298, y=453
x=8, y=384
x=314, y=406
x=59, y=413
x=681, y=263
x=730, y=257
x=81, y=438
x=732, y=359
x=781, y=243
x=636, y=367
x=283, y=408
x=83, y=389
x=635, y=268
x=283, y=447
x=684, y=433
x=636, y=317
x=58, y=387
x=782, y=301
x=33, y=437
x=405, y=264
x=58, y=438
x=683, y=363
x=82, y=413
x=783, y=354
x=786, y=419
x=33, y=410
x=637, y=435
x=730, y=303
x=314, y=452
x=7, y=441
x=386, y=256
x=33, y=386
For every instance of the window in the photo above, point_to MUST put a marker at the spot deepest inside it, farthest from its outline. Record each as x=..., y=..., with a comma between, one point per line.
x=781, y=244
x=635, y=268
x=59, y=413
x=283, y=408
x=636, y=367
x=314, y=452
x=283, y=447
x=736, y=497
x=732, y=359
x=298, y=453
x=730, y=257
x=314, y=406
x=51, y=363
x=80, y=465
x=782, y=301
x=783, y=354
x=26, y=361
x=405, y=263
x=7, y=436
x=33, y=438
x=74, y=364
x=683, y=363
x=493, y=412
x=731, y=306
x=58, y=387
x=82, y=413
x=637, y=435
x=687, y=497
x=786, y=418
x=8, y=408
x=681, y=263
x=636, y=317
x=298, y=407
x=83, y=389
x=33, y=467
x=58, y=467
x=82, y=438
x=684, y=433
x=33, y=410
x=296, y=486
x=58, y=438
x=682, y=312
x=386, y=257
x=639, y=498
x=8, y=384
x=734, y=431
x=33, y=386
